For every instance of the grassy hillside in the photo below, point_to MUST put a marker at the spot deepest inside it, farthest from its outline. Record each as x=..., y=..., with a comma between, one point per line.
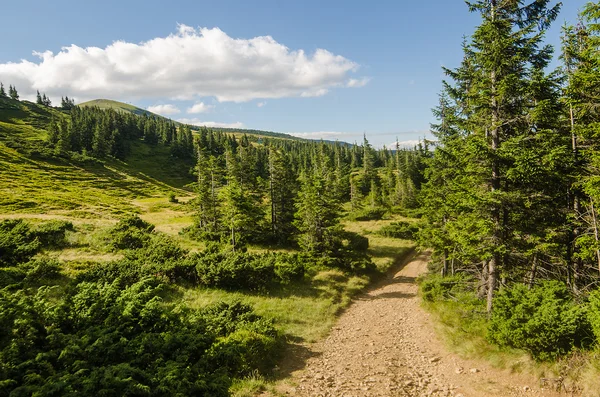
x=32, y=182
x=24, y=120
x=119, y=106
x=93, y=195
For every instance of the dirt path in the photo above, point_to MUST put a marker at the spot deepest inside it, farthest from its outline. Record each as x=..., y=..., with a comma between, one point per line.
x=385, y=345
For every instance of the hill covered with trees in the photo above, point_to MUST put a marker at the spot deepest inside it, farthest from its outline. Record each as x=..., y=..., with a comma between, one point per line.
x=101, y=292
x=507, y=199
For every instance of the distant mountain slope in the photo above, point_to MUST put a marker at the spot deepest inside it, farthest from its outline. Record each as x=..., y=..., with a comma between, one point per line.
x=34, y=178
x=24, y=120
x=119, y=106
x=128, y=108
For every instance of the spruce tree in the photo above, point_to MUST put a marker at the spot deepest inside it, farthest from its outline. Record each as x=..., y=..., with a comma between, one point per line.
x=39, y=99
x=318, y=211
x=2, y=91
x=281, y=196
x=582, y=94
x=240, y=211
x=12, y=92
x=207, y=218
x=500, y=111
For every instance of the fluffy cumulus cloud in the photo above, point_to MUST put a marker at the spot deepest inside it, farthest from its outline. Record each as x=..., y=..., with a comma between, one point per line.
x=164, y=110
x=188, y=64
x=200, y=107
x=213, y=124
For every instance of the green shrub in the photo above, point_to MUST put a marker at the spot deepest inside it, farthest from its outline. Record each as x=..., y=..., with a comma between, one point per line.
x=236, y=270
x=355, y=241
x=157, y=249
x=18, y=243
x=12, y=276
x=131, y=232
x=288, y=268
x=53, y=234
x=102, y=338
x=246, y=343
x=245, y=351
x=435, y=288
x=367, y=214
x=42, y=269
x=160, y=258
x=401, y=230
x=172, y=198
x=594, y=313
x=544, y=320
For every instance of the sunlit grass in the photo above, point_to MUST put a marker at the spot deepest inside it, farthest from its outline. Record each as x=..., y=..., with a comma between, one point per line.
x=463, y=326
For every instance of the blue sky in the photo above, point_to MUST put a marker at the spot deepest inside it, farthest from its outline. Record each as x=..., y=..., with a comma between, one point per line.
x=369, y=67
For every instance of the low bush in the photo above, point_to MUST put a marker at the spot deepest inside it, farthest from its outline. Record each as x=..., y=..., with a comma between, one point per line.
x=42, y=269
x=18, y=243
x=544, y=320
x=236, y=271
x=160, y=258
x=106, y=339
x=401, y=230
x=157, y=249
x=246, y=342
x=12, y=276
x=131, y=232
x=594, y=313
x=367, y=214
x=355, y=241
x=53, y=234
x=435, y=288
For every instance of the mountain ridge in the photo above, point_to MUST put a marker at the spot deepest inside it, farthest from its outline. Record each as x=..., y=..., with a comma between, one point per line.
x=129, y=108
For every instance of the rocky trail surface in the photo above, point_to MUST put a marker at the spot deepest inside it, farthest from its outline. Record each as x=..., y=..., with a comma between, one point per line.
x=385, y=345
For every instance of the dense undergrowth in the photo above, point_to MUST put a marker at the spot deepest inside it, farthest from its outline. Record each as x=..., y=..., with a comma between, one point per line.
x=543, y=329
x=160, y=320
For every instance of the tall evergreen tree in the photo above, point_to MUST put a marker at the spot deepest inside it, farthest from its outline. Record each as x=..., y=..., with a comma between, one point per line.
x=582, y=68
x=12, y=92
x=2, y=91
x=281, y=196
x=240, y=211
x=318, y=211
x=207, y=214
x=501, y=105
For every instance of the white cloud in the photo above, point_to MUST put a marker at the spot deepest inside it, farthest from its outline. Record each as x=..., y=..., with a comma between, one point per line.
x=210, y=124
x=356, y=83
x=190, y=63
x=261, y=104
x=200, y=107
x=164, y=110
x=314, y=93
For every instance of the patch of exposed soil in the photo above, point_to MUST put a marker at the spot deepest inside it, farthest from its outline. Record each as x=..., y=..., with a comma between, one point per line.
x=385, y=345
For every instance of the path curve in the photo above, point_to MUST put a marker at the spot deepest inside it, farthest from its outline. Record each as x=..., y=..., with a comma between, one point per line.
x=385, y=345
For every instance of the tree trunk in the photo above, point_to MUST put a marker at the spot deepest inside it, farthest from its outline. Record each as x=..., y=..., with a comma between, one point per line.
x=595, y=232
x=482, y=289
x=445, y=263
x=233, y=237
x=495, y=186
x=574, y=264
x=533, y=272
